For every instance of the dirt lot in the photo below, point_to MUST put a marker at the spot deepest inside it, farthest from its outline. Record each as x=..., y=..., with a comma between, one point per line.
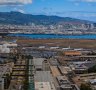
x=74, y=43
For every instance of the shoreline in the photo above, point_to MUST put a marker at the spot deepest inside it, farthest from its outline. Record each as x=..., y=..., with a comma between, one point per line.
x=52, y=36
x=73, y=43
x=51, y=33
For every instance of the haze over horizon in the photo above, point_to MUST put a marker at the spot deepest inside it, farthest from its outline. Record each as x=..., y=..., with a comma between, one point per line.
x=81, y=9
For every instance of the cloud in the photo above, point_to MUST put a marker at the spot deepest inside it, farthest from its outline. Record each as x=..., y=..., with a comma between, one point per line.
x=19, y=10
x=84, y=0
x=89, y=0
x=15, y=2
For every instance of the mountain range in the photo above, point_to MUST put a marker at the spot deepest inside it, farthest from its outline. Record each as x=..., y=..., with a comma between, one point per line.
x=18, y=18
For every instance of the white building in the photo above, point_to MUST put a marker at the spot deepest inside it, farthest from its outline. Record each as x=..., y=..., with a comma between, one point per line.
x=6, y=47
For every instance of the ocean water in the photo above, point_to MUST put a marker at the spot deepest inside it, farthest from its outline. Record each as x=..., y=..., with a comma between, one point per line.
x=54, y=36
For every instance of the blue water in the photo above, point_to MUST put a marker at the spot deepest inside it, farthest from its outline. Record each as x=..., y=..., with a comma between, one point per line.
x=54, y=36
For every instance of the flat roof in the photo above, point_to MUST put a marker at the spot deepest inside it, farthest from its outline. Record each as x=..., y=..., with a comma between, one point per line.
x=38, y=61
x=44, y=86
x=88, y=56
x=65, y=69
x=43, y=76
x=55, y=71
x=86, y=75
x=72, y=53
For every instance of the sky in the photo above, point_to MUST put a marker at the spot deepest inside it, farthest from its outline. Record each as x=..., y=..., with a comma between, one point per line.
x=81, y=9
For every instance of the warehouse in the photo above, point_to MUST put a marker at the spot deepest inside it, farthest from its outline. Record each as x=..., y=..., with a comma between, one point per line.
x=43, y=81
x=64, y=83
x=38, y=62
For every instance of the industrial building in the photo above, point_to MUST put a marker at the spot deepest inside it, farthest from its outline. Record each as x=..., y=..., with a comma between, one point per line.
x=78, y=68
x=38, y=62
x=72, y=53
x=43, y=81
x=45, y=65
x=64, y=83
x=55, y=71
x=65, y=70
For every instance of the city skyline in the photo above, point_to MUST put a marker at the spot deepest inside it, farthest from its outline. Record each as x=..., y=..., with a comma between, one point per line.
x=82, y=9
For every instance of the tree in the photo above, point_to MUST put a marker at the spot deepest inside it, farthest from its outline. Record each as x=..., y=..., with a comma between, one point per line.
x=92, y=69
x=85, y=87
x=7, y=80
x=29, y=57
